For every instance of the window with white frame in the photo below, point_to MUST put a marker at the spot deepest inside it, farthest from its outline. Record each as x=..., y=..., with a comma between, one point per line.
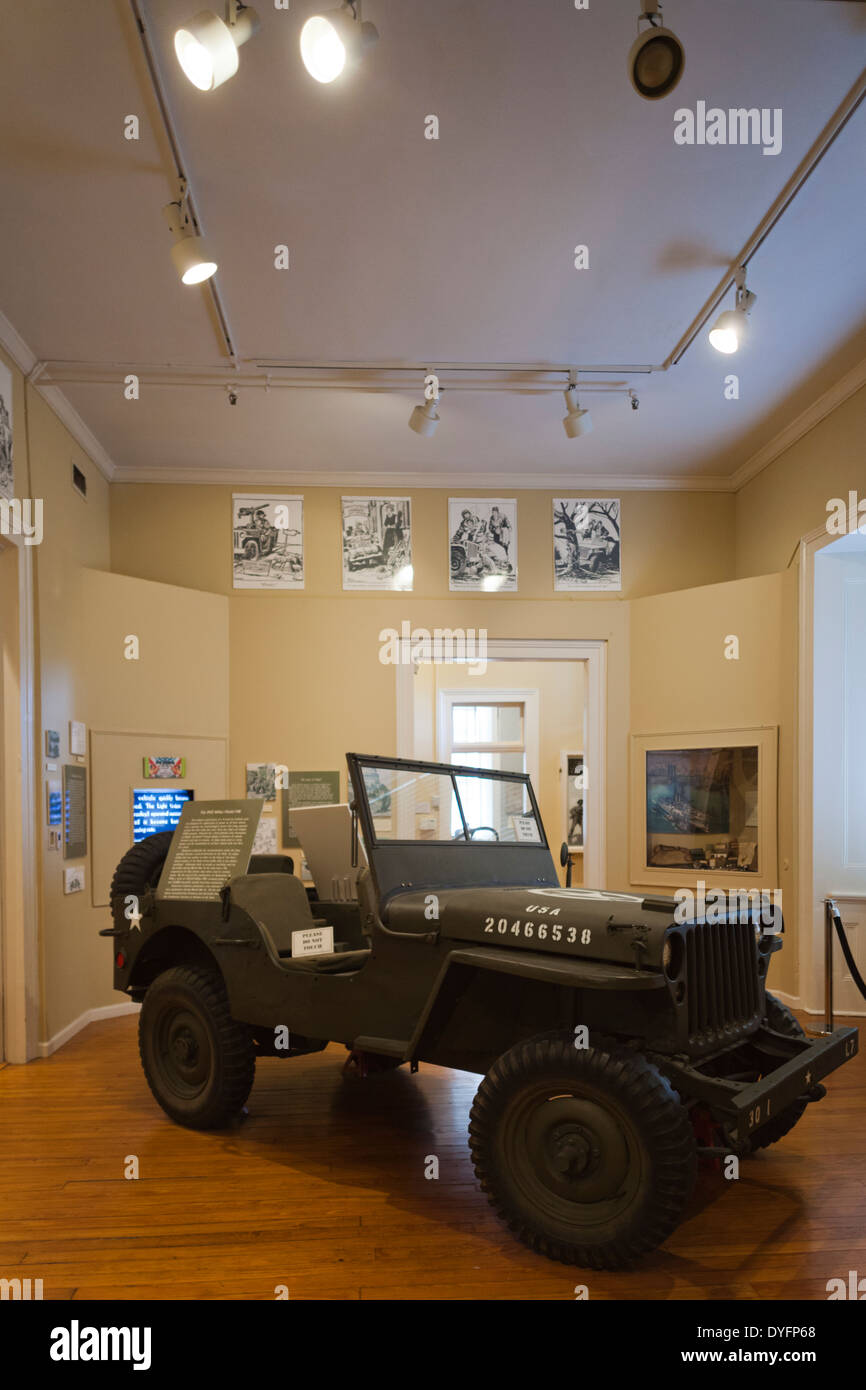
x=494, y=733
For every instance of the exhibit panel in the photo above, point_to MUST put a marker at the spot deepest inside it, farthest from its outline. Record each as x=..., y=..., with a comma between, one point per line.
x=121, y=792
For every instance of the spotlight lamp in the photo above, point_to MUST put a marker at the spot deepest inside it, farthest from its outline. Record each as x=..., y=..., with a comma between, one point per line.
x=656, y=58
x=335, y=40
x=425, y=418
x=730, y=328
x=577, y=421
x=192, y=257
x=207, y=46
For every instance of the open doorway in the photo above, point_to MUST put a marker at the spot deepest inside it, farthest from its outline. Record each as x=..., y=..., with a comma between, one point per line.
x=832, y=758
x=535, y=707
x=839, y=752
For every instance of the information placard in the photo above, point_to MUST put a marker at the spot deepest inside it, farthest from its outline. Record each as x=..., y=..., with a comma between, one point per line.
x=74, y=811
x=307, y=789
x=212, y=843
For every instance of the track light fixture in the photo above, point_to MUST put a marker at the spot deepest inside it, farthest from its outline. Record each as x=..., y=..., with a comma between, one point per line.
x=656, y=58
x=192, y=258
x=577, y=421
x=332, y=41
x=207, y=46
x=729, y=329
x=425, y=418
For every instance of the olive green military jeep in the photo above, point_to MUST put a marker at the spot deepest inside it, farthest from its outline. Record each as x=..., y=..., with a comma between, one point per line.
x=617, y=1044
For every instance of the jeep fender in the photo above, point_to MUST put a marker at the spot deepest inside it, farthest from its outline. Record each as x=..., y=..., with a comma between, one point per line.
x=529, y=965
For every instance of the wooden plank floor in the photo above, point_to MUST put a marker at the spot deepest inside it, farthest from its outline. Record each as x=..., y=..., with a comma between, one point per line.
x=321, y=1188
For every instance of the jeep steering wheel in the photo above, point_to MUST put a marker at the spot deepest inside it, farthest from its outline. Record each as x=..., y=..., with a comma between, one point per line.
x=458, y=835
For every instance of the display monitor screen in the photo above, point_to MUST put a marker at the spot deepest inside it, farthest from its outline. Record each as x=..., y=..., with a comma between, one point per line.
x=157, y=808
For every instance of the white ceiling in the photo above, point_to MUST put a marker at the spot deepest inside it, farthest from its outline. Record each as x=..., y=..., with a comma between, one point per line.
x=404, y=249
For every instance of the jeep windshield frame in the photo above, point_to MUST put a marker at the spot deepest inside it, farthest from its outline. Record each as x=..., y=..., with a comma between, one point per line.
x=400, y=863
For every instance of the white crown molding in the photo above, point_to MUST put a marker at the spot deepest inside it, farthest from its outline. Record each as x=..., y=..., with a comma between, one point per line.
x=560, y=483
x=804, y=422
x=26, y=361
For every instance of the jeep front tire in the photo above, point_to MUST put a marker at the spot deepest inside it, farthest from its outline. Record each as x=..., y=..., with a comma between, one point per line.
x=198, y=1061
x=587, y=1154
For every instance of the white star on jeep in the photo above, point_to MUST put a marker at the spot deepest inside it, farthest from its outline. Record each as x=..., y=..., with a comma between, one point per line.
x=135, y=922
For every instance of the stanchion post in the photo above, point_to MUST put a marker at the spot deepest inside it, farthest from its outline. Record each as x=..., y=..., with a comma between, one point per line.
x=829, y=913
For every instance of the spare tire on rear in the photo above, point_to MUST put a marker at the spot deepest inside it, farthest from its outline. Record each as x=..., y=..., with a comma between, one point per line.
x=138, y=872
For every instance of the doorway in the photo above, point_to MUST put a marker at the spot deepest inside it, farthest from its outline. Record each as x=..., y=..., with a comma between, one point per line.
x=832, y=752
x=538, y=707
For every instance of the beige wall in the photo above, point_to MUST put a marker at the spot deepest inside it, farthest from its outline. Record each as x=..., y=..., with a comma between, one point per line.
x=178, y=686
x=789, y=498
x=75, y=534
x=307, y=684
x=81, y=617
x=182, y=535
x=681, y=682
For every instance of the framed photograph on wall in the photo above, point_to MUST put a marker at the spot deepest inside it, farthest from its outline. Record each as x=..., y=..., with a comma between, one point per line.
x=703, y=805
x=573, y=774
x=377, y=543
x=482, y=542
x=267, y=541
x=586, y=543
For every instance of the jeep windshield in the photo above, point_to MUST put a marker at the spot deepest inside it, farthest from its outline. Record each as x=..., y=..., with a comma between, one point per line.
x=436, y=823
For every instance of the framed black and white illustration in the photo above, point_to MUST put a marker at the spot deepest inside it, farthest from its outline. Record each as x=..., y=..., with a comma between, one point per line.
x=586, y=543
x=7, y=480
x=267, y=541
x=482, y=542
x=377, y=543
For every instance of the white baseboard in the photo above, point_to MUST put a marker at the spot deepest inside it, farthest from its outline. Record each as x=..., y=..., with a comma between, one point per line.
x=90, y=1016
x=793, y=1002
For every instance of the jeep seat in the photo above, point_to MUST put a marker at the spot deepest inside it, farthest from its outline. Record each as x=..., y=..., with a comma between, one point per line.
x=278, y=904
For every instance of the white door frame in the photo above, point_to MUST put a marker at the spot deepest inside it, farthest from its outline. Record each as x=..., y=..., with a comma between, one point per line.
x=21, y=926
x=594, y=654
x=810, y=951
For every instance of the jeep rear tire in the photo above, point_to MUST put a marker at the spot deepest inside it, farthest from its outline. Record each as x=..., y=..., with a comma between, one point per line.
x=587, y=1154
x=781, y=1020
x=198, y=1061
x=138, y=872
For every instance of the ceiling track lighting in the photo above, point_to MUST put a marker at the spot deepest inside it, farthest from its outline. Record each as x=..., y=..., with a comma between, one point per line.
x=333, y=41
x=425, y=418
x=656, y=58
x=207, y=46
x=191, y=254
x=577, y=421
x=730, y=328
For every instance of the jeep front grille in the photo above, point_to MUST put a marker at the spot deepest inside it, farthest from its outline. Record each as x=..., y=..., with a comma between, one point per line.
x=722, y=986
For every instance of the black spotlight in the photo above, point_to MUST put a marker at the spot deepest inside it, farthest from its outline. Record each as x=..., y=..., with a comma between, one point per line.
x=656, y=58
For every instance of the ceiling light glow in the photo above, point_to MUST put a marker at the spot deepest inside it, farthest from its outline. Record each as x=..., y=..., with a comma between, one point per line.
x=207, y=47
x=333, y=41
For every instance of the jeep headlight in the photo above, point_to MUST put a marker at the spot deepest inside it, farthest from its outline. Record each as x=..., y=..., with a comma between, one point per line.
x=672, y=955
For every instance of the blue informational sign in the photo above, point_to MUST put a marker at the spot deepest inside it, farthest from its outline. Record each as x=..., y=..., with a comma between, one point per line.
x=157, y=809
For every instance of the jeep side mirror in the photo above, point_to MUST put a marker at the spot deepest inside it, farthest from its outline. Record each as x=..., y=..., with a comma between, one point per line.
x=566, y=863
